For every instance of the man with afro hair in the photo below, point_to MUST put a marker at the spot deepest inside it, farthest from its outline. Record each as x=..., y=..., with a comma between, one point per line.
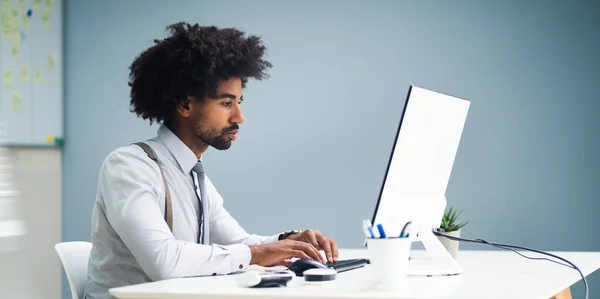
x=157, y=215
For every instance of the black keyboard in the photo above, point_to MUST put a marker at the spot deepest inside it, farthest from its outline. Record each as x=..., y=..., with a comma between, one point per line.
x=345, y=265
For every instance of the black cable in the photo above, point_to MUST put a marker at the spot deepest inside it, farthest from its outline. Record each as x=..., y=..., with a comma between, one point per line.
x=532, y=258
x=509, y=247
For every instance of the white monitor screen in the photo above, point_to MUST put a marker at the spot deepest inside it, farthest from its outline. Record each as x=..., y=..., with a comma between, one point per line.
x=421, y=161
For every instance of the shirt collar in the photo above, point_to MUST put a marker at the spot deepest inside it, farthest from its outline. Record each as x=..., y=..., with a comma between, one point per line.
x=184, y=156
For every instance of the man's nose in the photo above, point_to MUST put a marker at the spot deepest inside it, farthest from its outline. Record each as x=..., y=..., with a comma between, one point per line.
x=238, y=116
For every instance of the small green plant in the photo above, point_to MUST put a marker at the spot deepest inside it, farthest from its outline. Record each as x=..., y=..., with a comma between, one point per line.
x=449, y=221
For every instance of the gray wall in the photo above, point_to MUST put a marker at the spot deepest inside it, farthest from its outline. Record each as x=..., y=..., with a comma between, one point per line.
x=318, y=133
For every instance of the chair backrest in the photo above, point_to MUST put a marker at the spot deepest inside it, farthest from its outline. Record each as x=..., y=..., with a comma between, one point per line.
x=74, y=258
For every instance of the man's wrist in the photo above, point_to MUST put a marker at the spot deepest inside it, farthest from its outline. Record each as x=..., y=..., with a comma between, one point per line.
x=285, y=235
x=254, y=255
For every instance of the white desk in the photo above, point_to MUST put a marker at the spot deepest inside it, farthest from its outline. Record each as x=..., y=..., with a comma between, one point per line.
x=488, y=274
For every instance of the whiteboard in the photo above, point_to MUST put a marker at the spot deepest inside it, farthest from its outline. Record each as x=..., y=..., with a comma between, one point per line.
x=31, y=110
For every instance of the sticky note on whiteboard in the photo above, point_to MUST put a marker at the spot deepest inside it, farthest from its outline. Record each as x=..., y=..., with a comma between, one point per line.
x=24, y=20
x=7, y=76
x=14, y=32
x=37, y=76
x=14, y=51
x=17, y=101
x=24, y=74
x=46, y=19
x=6, y=31
x=14, y=15
x=51, y=61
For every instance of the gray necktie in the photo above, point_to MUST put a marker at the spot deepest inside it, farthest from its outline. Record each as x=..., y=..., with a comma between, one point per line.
x=201, y=193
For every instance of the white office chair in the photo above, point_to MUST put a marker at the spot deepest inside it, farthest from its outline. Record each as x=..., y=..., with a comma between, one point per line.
x=74, y=258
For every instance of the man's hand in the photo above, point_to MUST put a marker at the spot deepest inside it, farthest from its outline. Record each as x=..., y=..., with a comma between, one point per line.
x=319, y=241
x=280, y=253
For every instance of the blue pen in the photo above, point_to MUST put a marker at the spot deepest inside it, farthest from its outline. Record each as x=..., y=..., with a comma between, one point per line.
x=381, y=231
x=374, y=231
x=404, y=232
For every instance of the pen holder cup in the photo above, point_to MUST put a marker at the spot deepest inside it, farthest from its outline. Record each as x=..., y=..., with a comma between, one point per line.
x=389, y=261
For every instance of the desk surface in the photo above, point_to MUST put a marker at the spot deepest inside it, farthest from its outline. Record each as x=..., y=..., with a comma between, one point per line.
x=489, y=274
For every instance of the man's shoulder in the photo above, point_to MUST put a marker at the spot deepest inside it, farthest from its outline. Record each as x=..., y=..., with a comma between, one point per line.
x=127, y=156
x=130, y=150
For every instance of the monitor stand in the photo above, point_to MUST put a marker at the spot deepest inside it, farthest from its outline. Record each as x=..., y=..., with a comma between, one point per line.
x=439, y=263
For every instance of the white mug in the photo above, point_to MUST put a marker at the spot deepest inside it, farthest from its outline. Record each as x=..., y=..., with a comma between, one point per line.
x=389, y=261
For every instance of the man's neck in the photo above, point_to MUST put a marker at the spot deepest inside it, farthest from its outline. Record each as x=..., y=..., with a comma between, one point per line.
x=189, y=138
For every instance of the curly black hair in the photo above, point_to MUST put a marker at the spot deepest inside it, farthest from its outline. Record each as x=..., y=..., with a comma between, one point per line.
x=190, y=63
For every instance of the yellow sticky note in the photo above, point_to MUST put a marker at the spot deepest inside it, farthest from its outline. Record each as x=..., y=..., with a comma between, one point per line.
x=14, y=51
x=51, y=60
x=24, y=20
x=8, y=77
x=14, y=33
x=49, y=5
x=5, y=13
x=46, y=20
x=6, y=31
x=37, y=76
x=5, y=8
x=17, y=100
x=14, y=15
x=50, y=138
x=24, y=74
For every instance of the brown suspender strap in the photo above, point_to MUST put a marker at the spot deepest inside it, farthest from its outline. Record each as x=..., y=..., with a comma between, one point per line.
x=168, y=207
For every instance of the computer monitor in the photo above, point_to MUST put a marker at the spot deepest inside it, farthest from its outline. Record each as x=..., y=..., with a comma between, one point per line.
x=418, y=171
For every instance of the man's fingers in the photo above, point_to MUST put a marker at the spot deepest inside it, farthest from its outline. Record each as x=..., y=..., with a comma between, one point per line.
x=312, y=251
x=312, y=239
x=326, y=246
x=286, y=262
x=300, y=254
x=334, y=249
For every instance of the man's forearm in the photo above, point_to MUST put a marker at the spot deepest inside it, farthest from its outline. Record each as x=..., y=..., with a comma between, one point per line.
x=183, y=259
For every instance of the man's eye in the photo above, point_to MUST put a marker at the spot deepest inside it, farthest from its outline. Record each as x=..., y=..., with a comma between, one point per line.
x=227, y=104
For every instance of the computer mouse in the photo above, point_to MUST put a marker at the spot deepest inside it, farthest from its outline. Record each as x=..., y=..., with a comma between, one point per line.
x=303, y=264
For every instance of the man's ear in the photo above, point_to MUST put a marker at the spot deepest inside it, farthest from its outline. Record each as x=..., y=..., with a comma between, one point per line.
x=185, y=108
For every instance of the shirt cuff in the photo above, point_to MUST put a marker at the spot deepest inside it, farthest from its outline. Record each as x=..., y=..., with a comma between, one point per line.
x=272, y=239
x=240, y=256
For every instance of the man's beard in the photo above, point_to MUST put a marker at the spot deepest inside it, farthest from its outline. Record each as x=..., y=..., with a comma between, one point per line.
x=220, y=141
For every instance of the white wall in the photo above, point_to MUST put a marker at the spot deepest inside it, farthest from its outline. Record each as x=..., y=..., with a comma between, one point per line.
x=34, y=271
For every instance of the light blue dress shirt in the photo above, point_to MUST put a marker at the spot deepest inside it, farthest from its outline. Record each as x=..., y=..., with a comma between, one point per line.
x=132, y=242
